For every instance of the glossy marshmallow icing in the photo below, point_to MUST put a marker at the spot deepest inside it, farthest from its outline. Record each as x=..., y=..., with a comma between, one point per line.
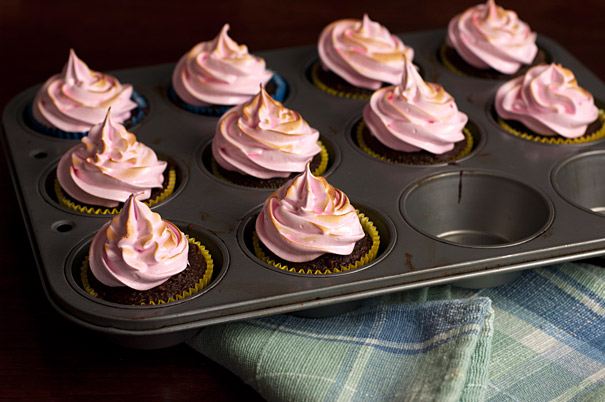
x=137, y=249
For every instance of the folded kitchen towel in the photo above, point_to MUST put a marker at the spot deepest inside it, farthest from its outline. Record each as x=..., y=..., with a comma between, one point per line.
x=392, y=348
x=549, y=335
x=539, y=338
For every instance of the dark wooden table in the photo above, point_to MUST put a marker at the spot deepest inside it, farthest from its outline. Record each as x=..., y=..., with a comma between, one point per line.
x=44, y=357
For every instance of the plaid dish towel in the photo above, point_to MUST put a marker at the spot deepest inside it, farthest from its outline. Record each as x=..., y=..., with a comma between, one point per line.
x=539, y=338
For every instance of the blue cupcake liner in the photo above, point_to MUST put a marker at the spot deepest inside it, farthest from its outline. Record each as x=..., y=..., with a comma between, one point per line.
x=279, y=94
x=136, y=115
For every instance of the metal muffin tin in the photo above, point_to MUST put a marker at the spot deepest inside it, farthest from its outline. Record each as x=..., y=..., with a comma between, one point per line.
x=510, y=205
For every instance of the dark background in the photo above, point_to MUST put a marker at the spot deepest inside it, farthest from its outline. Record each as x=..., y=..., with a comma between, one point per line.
x=43, y=356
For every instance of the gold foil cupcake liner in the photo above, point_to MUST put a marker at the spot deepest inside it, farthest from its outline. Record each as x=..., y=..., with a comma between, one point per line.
x=201, y=284
x=556, y=140
x=320, y=170
x=362, y=144
x=368, y=227
x=68, y=202
x=332, y=91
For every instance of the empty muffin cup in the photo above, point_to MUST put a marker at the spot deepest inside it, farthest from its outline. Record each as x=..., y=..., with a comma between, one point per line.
x=476, y=209
x=579, y=181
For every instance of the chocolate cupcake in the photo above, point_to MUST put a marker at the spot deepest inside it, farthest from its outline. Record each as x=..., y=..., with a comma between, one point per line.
x=108, y=165
x=357, y=57
x=139, y=258
x=69, y=104
x=547, y=105
x=263, y=144
x=218, y=74
x=488, y=41
x=308, y=226
x=413, y=123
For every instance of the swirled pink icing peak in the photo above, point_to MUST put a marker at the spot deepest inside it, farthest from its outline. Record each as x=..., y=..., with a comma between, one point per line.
x=219, y=72
x=137, y=248
x=487, y=36
x=108, y=165
x=79, y=97
x=308, y=217
x=547, y=100
x=264, y=139
x=364, y=53
x=415, y=115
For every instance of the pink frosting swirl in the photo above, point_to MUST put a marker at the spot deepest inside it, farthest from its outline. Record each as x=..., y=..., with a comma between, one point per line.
x=108, y=165
x=547, y=100
x=306, y=218
x=487, y=36
x=78, y=98
x=264, y=139
x=415, y=115
x=364, y=53
x=219, y=72
x=138, y=249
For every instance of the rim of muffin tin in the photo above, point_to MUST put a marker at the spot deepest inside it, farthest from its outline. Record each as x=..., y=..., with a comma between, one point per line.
x=423, y=222
x=203, y=159
x=46, y=184
x=382, y=222
x=216, y=247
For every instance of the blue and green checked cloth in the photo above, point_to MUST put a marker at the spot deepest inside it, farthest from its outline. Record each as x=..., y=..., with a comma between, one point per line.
x=539, y=338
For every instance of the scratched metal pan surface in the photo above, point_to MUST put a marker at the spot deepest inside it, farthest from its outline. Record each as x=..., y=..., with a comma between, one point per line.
x=510, y=205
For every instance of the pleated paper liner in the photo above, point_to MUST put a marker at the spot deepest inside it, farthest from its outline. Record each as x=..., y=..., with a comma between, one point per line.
x=273, y=183
x=361, y=127
x=368, y=227
x=201, y=284
x=594, y=133
x=66, y=201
